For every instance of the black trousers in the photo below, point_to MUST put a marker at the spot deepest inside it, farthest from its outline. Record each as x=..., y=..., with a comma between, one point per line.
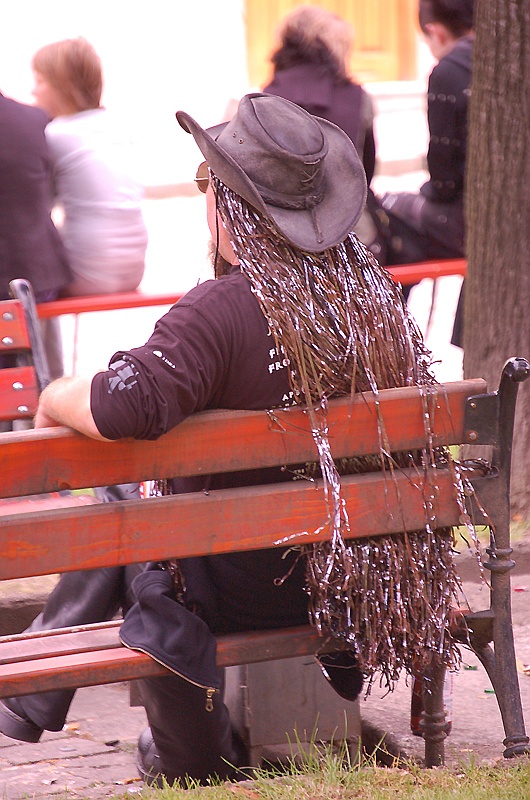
x=417, y=230
x=78, y=599
x=191, y=739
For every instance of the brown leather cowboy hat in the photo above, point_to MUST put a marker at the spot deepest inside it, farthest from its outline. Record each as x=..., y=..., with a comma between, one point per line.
x=300, y=171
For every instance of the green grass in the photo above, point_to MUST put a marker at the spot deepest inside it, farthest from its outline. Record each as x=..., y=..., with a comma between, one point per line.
x=519, y=530
x=330, y=775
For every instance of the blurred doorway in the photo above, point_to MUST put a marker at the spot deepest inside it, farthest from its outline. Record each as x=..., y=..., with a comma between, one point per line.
x=385, y=41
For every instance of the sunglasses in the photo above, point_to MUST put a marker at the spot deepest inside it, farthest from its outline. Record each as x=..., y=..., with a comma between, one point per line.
x=202, y=177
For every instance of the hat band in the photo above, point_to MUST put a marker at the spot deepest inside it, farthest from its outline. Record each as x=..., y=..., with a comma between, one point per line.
x=296, y=202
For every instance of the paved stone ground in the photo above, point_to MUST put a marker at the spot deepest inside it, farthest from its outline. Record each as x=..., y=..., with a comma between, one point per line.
x=93, y=757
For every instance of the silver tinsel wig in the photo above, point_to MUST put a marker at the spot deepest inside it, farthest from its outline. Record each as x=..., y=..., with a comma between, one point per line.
x=343, y=326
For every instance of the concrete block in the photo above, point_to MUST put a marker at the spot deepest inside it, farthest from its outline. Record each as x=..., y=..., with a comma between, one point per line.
x=276, y=706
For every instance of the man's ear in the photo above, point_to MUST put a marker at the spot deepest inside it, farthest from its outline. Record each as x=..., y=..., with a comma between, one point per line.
x=443, y=33
x=439, y=38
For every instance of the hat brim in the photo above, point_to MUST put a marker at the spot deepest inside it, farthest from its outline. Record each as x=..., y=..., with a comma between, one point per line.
x=337, y=213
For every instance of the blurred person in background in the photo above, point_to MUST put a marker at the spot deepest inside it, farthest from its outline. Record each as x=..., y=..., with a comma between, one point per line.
x=30, y=246
x=310, y=68
x=92, y=159
x=430, y=225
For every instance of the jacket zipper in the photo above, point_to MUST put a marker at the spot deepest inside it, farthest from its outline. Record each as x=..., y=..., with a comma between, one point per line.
x=210, y=690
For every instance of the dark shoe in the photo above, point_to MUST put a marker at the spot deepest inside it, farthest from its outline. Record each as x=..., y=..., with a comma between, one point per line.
x=148, y=760
x=150, y=770
x=15, y=723
x=341, y=670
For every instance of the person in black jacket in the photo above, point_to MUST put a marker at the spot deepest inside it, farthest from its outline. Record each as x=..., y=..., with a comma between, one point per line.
x=430, y=224
x=30, y=245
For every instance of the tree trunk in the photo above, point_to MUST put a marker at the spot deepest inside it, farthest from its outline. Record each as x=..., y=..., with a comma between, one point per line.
x=497, y=302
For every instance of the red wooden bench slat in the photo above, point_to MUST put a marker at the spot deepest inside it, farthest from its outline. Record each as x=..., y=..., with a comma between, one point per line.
x=56, y=458
x=13, y=326
x=116, y=663
x=221, y=521
x=18, y=391
x=59, y=642
x=412, y=273
x=70, y=671
x=43, y=502
x=105, y=302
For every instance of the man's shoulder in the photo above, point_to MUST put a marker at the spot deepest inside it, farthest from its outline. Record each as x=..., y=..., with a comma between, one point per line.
x=456, y=65
x=225, y=306
x=22, y=112
x=230, y=287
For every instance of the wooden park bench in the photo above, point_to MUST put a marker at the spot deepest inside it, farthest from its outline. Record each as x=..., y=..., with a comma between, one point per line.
x=57, y=540
x=24, y=368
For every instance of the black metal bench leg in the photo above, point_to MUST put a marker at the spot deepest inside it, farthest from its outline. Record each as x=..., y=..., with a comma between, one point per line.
x=501, y=664
x=22, y=291
x=508, y=699
x=500, y=565
x=433, y=718
x=502, y=669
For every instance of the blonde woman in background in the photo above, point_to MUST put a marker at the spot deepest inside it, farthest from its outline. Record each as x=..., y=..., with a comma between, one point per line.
x=92, y=159
x=311, y=68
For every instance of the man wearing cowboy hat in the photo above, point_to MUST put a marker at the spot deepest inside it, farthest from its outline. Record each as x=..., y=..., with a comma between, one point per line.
x=276, y=171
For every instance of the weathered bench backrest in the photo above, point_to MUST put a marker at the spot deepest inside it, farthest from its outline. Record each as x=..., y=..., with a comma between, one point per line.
x=224, y=520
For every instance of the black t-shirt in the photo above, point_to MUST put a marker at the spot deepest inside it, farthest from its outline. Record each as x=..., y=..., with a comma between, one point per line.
x=213, y=349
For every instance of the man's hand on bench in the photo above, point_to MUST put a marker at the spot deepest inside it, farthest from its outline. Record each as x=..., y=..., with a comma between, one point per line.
x=66, y=401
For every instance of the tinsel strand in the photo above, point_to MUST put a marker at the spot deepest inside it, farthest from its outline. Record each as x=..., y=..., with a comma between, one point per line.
x=342, y=324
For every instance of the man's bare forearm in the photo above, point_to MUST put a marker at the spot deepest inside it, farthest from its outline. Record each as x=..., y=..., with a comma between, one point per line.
x=66, y=401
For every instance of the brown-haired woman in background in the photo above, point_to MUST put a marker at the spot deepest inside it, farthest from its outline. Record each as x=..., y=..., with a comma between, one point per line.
x=103, y=228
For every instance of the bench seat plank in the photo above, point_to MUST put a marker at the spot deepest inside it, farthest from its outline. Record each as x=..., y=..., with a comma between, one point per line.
x=96, y=656
x=249, y=518
x=49, y=460
x=73, y=670
x=43, y=502
x=58, y=642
